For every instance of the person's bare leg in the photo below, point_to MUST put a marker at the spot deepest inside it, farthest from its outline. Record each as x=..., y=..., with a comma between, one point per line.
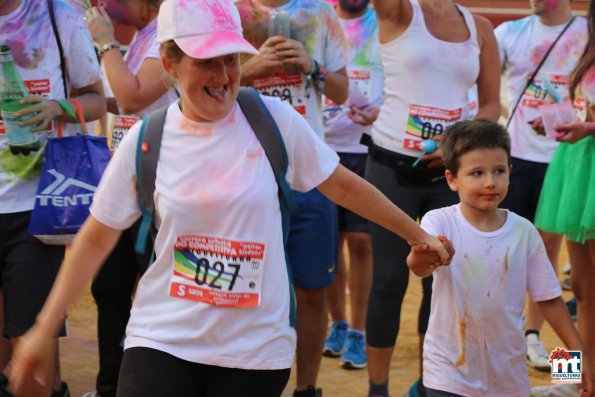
x=360, y=276
x=552, y=243
x=379, y=363
x=336, y=292
x=312, y=312
x=582, y=278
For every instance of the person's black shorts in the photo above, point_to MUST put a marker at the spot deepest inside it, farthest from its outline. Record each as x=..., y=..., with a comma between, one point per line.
x=526, y=181
x=348, y=221
x=28, y=269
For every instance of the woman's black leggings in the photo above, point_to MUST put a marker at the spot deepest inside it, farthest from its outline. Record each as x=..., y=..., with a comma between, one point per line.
x=149, y=372
x=389, y=254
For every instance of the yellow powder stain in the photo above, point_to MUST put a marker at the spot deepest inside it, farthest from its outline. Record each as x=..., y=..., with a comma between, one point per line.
x=462, y=360
x=506, y=260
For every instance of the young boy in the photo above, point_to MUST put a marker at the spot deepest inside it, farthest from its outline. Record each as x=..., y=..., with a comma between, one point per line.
x=475, y=344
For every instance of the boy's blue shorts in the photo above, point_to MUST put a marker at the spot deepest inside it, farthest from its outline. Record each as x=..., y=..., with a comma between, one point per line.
x=313, y=240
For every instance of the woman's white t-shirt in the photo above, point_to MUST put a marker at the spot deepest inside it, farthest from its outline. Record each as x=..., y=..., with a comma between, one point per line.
x=475, y=344
x=217, y=208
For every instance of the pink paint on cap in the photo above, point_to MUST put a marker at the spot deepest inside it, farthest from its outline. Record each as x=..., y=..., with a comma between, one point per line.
x=203, y=28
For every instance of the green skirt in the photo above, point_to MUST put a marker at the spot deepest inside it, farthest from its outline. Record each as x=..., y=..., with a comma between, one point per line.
x=567, y=201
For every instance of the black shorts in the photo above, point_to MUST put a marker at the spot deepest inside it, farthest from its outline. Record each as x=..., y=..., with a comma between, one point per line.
x=526, y=181
x=348, y=221
x=28, y=269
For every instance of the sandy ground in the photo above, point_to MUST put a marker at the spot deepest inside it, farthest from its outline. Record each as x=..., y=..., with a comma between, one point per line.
x=79, y=354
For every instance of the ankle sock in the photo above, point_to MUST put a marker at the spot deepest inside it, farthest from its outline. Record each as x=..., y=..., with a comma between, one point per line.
x=378, y=390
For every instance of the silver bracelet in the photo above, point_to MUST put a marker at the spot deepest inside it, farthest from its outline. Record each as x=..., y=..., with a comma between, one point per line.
x=106, y=47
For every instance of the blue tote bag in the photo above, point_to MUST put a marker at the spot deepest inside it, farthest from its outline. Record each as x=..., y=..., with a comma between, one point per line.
x=71, y=171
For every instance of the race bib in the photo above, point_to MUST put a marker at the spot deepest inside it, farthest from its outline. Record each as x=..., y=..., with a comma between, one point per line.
x=425, y=122
x=217, y=271
x=40, y=87
x=536, y=94
x=290, y=87
x=118, y=127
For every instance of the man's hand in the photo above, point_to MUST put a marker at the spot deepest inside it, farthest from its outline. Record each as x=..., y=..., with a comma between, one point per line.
x=100, y=25
x=43, y=111
x=265, y=63
x=363, y=116
x=292, y=52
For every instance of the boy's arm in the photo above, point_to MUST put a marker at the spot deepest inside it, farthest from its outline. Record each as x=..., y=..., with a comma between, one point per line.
x=556, y=314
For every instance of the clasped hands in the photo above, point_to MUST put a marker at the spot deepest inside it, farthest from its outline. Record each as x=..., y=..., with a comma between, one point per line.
x=423, y=259
x=279, y=51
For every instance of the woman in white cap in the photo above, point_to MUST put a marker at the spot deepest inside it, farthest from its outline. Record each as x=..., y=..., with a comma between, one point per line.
x=214, y=190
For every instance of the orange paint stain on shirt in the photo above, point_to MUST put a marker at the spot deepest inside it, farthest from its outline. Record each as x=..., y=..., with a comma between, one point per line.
x=462, y=359
x=506, y=260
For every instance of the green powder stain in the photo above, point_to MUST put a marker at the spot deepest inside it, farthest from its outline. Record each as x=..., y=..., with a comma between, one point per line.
x=26, y=168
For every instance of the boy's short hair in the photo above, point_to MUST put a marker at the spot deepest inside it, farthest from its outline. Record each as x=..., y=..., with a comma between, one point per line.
x=469, y=135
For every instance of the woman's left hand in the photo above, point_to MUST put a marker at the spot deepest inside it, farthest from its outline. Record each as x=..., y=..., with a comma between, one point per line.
x=42, y=109
x=100, y=25
x=574, y=132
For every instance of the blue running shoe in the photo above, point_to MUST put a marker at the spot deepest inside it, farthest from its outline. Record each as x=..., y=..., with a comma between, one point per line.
x=414, y=390
x=355, y=356
x=335, y=341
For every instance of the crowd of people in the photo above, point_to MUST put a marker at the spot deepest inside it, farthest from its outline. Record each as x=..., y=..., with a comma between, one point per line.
x=386, y=115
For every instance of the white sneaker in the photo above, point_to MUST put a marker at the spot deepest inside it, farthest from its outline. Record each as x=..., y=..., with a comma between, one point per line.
x=565, y=390
x=537, y=356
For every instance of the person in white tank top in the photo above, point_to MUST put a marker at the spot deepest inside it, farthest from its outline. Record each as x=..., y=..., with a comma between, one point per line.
x=433, y=52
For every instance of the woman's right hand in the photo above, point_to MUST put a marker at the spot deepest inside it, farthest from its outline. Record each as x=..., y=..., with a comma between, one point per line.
x=31, y=364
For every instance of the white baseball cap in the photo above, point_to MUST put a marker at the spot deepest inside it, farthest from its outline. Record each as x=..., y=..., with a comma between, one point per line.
x=203, y=28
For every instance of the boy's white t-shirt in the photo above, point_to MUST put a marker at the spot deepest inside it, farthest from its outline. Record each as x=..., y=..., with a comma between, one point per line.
x=475, y=344
x=522, y=44
x=216, y=200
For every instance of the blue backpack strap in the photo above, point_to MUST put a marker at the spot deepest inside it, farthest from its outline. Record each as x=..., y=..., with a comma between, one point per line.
x=266, y=130
x=147, y=157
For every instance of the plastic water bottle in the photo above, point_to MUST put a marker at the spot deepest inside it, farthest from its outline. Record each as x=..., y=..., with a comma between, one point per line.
x=279, y=24
x=20, y=139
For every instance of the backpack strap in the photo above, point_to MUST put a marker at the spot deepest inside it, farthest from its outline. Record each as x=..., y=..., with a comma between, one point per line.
x=147, y=157
x=266, y=130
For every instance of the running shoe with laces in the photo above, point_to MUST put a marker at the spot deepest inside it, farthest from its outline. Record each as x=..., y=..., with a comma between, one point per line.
x=537, y=356
x=334, y=344
x=354, y=356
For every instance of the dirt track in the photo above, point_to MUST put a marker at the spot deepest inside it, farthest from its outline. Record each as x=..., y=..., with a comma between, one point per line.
x=79, y=354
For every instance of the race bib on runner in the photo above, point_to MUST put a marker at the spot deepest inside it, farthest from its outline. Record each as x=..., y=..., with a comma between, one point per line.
x=218, y=271
x=118, y=128
x=36, y=87
x=425, y=122
x=290, y=87
x=536, y=94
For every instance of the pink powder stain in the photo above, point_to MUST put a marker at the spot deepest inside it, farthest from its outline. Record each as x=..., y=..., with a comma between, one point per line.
x=254, y=153
x=222, y=20
x=192, y=128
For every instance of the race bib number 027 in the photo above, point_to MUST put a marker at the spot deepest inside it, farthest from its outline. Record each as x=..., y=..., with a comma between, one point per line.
x=217, y=271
